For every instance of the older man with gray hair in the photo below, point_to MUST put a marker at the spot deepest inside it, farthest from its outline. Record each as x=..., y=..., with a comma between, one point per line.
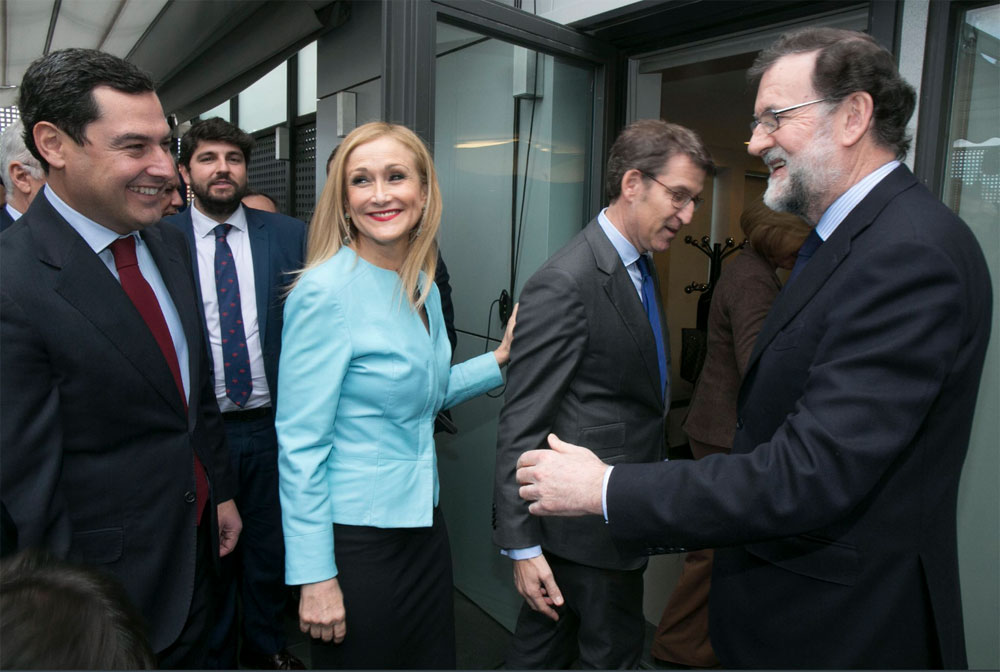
x=22, y=174
x=834, y=516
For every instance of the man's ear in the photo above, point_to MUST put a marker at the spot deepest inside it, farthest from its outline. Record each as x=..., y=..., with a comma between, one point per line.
x=858, y=110
x=185, y=175
x=18, y=175
x=632, y=184
x=52, y=143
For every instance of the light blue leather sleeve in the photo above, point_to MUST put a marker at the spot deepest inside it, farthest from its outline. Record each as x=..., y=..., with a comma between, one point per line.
x=316, y=351
x=472, y=378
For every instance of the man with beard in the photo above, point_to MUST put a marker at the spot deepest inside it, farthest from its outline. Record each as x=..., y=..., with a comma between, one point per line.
x=838, y=502
x=243, y=259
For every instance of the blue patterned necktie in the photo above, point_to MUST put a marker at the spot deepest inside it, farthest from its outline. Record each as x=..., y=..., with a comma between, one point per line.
x=236, y=356
x=653, y=315
x=809, y=247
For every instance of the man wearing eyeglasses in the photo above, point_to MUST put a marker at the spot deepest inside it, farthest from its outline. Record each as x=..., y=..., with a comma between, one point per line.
x=591, y=361
x=838, y=503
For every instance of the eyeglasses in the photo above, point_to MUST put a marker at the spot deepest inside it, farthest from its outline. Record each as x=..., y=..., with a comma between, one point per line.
x=770, y=118
x=679, y=199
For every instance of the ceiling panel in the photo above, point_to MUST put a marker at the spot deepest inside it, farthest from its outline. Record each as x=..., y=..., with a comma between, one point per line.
x=25, y=33
x=136, y=16
x=83, y=23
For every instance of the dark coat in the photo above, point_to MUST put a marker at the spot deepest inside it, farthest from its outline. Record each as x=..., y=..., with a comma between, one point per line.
x=839, y=500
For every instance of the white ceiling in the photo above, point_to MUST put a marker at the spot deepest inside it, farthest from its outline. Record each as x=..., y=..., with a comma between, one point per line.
x=32, y=28
x=200, y=52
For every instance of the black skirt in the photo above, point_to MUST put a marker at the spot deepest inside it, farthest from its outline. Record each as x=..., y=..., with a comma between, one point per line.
x=398, y=596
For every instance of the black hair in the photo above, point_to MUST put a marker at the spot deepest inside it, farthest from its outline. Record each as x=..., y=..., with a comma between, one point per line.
x=56, y=615
x=59, y=88
x=215, y=129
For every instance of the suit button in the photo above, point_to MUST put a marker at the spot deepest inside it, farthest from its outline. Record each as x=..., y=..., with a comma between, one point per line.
x=189, y=497
x=739, y=422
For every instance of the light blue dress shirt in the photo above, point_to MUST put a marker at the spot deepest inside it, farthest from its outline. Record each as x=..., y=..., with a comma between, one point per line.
x=849, y=200
x=360, y=382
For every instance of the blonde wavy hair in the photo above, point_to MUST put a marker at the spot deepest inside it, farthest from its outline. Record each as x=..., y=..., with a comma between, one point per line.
x=329, y=227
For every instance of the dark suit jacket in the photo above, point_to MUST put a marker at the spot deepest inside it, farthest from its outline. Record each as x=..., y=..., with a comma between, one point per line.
x=740, y=302
x=277, y=247
x=583, y=365
x=5, y=219
x=854, y=421
x=97, y=447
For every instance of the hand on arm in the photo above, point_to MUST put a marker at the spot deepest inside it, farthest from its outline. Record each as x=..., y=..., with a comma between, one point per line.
x=565, y=481
x=534, y=580
x=321, y=611
x=230, y=526
x=502, y=353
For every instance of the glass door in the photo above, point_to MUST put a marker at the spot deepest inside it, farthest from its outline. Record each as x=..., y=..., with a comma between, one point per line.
x=514, y=150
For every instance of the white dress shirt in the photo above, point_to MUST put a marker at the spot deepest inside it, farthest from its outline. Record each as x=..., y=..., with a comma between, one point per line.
x=239, y=242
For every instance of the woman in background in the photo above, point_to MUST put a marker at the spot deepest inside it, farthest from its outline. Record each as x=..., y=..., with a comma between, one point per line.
x=365, y=368
x=741, y=300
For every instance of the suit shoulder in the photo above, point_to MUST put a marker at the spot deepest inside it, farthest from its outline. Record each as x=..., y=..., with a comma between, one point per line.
x=180, y=221
x=277, y=220
x=172, y=233
x=574, y=257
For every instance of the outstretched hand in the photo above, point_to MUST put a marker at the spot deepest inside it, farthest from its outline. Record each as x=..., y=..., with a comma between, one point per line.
x=564, y=481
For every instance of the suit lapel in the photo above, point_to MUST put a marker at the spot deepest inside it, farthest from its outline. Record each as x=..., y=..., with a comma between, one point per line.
x=827, y=258
x=85, y=283
x=184, y=220
x=260, y=252
x=626, y=301
x=177, y=279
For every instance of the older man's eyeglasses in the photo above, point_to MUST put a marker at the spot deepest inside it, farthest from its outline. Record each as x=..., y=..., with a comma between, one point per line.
x=679, y=199
x=769, y=120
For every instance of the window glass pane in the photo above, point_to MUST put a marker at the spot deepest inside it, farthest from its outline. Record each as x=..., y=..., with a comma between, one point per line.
x=262, y=104
x=972, y=180
x=220, y=110
x=512, y=148
x=972, y=189
x=307, y=80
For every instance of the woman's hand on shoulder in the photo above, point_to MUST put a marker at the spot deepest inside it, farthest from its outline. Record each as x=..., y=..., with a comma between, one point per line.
x=321, y=611
x=502, y=353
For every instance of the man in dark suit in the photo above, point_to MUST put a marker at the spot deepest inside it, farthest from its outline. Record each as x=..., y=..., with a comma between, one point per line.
x=838, y=502
x=248, y=254
x=21, y=171
x=591, y=360
x=113, y=452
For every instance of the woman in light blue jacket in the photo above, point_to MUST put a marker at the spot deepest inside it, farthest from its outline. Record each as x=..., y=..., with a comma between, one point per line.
x=365, y=368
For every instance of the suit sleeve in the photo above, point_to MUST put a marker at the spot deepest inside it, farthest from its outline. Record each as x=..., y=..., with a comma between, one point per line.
x=31, y=435
x=886, y=343
x=550, y=340
x=315, y=355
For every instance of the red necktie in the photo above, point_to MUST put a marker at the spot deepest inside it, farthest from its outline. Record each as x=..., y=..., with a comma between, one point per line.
x=144, y=298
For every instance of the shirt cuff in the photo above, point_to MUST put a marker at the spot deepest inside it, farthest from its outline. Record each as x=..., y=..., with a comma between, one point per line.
x=604, y=492
x=522, y=553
